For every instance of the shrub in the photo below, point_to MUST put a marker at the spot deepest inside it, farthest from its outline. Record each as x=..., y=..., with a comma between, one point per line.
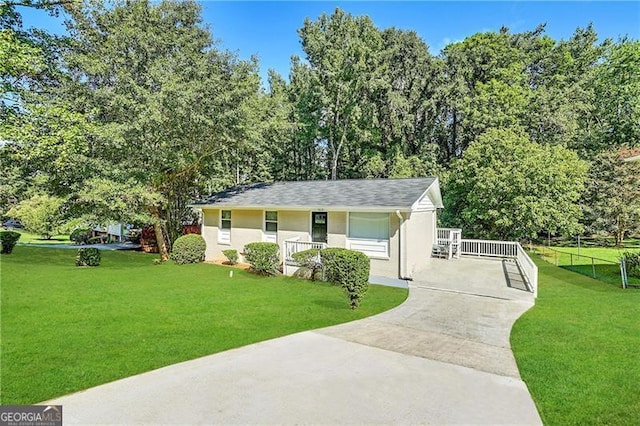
x=88, y=257
x=80, y=236
x=310, y=264
x=148, y=235
x=99, y=239
x=8, y=240
x=328, y=255
x=231, y=255
x=189, y=248
x=263, y=257
x=352, y=273
x=632, y=262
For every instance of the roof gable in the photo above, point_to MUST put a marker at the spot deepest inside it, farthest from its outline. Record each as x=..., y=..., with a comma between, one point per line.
x=354, y=194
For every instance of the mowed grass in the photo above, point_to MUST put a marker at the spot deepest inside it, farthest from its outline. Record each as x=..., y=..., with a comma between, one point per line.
x=66, y=328
x=603, y=262
x=611, y=254
x=29, y=238
x=578, y=350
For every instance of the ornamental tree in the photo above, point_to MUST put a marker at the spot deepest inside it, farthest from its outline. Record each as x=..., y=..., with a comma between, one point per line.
x=40, y=214
x=508, y=187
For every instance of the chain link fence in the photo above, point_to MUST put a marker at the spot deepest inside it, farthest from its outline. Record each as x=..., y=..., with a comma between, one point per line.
x=601, y=269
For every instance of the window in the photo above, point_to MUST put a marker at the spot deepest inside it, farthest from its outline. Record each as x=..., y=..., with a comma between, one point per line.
x=370, y=226
x=224, y=233
x=271, y=221
x=225, y=219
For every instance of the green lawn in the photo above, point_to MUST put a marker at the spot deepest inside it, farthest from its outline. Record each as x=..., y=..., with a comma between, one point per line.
x=601, y=263
x=578, y=350
x=66, y=328
x=29, y=238
x=605, y=253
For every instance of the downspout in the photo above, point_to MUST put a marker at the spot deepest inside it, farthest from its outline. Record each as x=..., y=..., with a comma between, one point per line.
x=401, y=253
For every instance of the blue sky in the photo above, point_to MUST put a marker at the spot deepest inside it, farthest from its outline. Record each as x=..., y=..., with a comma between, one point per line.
x=268, y=29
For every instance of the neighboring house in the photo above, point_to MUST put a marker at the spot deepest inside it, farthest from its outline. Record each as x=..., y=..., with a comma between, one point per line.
x=114, y=232
x=393, y=221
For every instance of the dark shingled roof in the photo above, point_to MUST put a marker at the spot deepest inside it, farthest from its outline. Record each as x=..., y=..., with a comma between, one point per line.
x=378, y=193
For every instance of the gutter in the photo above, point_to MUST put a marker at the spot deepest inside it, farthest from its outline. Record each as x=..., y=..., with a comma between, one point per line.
x=381, y=209
x=401, y=253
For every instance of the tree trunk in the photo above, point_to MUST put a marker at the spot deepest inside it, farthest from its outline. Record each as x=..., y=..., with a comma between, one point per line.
x=334, y=167
x=162, y=244
x=336, y=155
x=619, y=237
x=160, y=240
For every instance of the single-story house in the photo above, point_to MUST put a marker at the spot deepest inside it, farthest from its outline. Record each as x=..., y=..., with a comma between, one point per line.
x=114, y=231
x=393, y=221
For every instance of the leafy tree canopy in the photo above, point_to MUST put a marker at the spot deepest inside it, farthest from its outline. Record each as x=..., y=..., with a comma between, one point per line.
x=612, y=199
x=508, y=187
x=40, y=214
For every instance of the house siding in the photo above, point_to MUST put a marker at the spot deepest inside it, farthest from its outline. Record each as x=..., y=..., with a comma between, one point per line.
x=210, y=222
x=337, y=229
x=293, y=224
x=420, y=234
x=247, y=227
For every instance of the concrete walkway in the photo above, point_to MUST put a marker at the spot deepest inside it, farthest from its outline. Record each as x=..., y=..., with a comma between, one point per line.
x=442, y=357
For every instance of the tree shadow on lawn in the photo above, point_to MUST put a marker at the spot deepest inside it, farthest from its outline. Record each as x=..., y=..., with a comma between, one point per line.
x=570, y=277
x=607, y=276
x=336, y=305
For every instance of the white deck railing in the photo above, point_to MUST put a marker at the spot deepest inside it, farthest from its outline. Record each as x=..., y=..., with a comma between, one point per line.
x=295, y=245
x=529, y=269
x=449, y=239
x=489, y=248
x=505, y=249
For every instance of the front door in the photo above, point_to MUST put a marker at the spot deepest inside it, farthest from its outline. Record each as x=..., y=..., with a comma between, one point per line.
x=319, y=227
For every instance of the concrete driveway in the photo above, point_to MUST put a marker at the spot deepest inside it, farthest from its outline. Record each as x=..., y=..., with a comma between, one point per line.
x=443, y=357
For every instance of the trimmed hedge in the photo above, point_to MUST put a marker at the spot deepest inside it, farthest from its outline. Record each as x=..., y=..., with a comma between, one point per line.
x=8, y=239
x=307, y=258
x=328, y=262
x=88, y=257
x=80, y=236
x=351, y=269
x=264, y=258
x=231, y=255
x=189, y=248
x=347, y=268
x=632, y=262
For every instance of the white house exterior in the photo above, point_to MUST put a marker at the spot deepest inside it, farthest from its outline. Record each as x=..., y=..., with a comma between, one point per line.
x=393, y=221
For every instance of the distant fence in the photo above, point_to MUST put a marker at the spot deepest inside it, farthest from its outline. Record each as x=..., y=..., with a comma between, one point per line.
x=600, y=269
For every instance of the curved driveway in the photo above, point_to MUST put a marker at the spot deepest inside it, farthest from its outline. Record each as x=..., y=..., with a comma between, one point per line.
x=442, y=357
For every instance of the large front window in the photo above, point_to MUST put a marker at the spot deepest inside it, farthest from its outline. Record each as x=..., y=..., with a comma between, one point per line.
x=369, y=226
